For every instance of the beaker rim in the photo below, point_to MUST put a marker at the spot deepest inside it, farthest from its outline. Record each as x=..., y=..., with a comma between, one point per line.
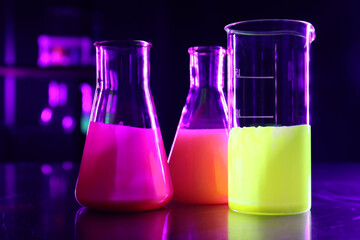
x=122, y=43
x=263, y=27
x=206, y=49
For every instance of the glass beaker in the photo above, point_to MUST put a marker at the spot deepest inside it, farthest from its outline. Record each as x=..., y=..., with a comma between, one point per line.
x=124, y=165
x=198, y=157
x=268, y=98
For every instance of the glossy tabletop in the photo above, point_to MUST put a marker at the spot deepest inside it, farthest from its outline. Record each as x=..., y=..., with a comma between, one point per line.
x=37, y=202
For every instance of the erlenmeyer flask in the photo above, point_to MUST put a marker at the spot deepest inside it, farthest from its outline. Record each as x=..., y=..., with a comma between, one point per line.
x=198, y=157
x=124, y=165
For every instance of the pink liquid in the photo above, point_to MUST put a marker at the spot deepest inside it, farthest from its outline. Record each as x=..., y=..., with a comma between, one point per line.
x=123, y=169
x=198, y=166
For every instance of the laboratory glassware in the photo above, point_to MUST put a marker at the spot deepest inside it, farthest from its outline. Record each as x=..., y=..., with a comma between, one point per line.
x=124, y=165
x=268, y=100
x=198, y=157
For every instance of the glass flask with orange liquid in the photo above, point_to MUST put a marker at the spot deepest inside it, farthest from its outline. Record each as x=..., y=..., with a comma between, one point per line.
x=198, y=157
x=124, y=165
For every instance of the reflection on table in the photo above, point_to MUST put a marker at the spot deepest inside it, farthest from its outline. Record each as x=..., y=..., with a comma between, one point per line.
x=181, y=221
x=37, y=202
x=91, y=225
x=258, y=227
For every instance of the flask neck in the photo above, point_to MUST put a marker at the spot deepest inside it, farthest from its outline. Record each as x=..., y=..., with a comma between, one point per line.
x=123, y=64
x=207, y=67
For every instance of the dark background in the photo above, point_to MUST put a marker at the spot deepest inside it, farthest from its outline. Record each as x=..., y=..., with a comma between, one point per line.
x=172, y=27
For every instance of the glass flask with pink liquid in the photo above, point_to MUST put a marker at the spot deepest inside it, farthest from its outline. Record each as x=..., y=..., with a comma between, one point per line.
x=124, y=165
x=198, y=157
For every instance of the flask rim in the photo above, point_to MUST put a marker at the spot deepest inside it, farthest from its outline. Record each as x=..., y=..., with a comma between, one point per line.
x=266, y=27
x=122, y=43
x=203, y=50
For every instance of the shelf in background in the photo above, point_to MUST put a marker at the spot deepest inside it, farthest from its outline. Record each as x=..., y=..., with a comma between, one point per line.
x=49, y=72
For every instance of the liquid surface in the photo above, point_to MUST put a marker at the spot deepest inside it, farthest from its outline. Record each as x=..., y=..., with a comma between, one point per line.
x=198, y=166
x=270, y=169
x=123, y=168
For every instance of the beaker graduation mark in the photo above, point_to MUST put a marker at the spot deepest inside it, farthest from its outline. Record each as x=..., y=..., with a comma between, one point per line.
x=256, y=77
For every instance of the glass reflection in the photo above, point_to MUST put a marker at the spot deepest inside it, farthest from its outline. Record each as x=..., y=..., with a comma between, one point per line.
x=260, y=227
x=198, y=221
x=102, y=225
x=182, y=221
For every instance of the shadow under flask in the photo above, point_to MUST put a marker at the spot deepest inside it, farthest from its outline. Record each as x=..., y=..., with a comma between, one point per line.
x=124, y=165
x=198, y=157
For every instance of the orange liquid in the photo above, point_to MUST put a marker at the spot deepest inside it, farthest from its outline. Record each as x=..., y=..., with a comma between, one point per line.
x=198, y=166
x=123, y=169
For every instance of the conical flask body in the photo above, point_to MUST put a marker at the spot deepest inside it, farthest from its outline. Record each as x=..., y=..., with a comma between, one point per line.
x=124, y=165
x=198, y=157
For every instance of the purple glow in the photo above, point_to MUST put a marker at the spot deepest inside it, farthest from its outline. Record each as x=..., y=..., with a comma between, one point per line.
x=46, y=115
x=275, y=81
x=165, y=228
x=86, y=92
x=9, y=60
x=57, y=94
x=232, y=79
x=64, y=51
x=100, y=71
x=194, y=69
x=67, y=165
x=46, y=169
x=10, y=100
x=310, y=36
x=53, y=94
x=44, y=59
x=9, y=37
x=62, y=94
x=68, y=123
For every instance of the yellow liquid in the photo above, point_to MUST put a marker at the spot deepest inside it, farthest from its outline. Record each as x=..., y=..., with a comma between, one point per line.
x=270, y=170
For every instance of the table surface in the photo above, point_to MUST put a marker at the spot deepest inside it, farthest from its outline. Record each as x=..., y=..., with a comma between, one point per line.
x=37, y=202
